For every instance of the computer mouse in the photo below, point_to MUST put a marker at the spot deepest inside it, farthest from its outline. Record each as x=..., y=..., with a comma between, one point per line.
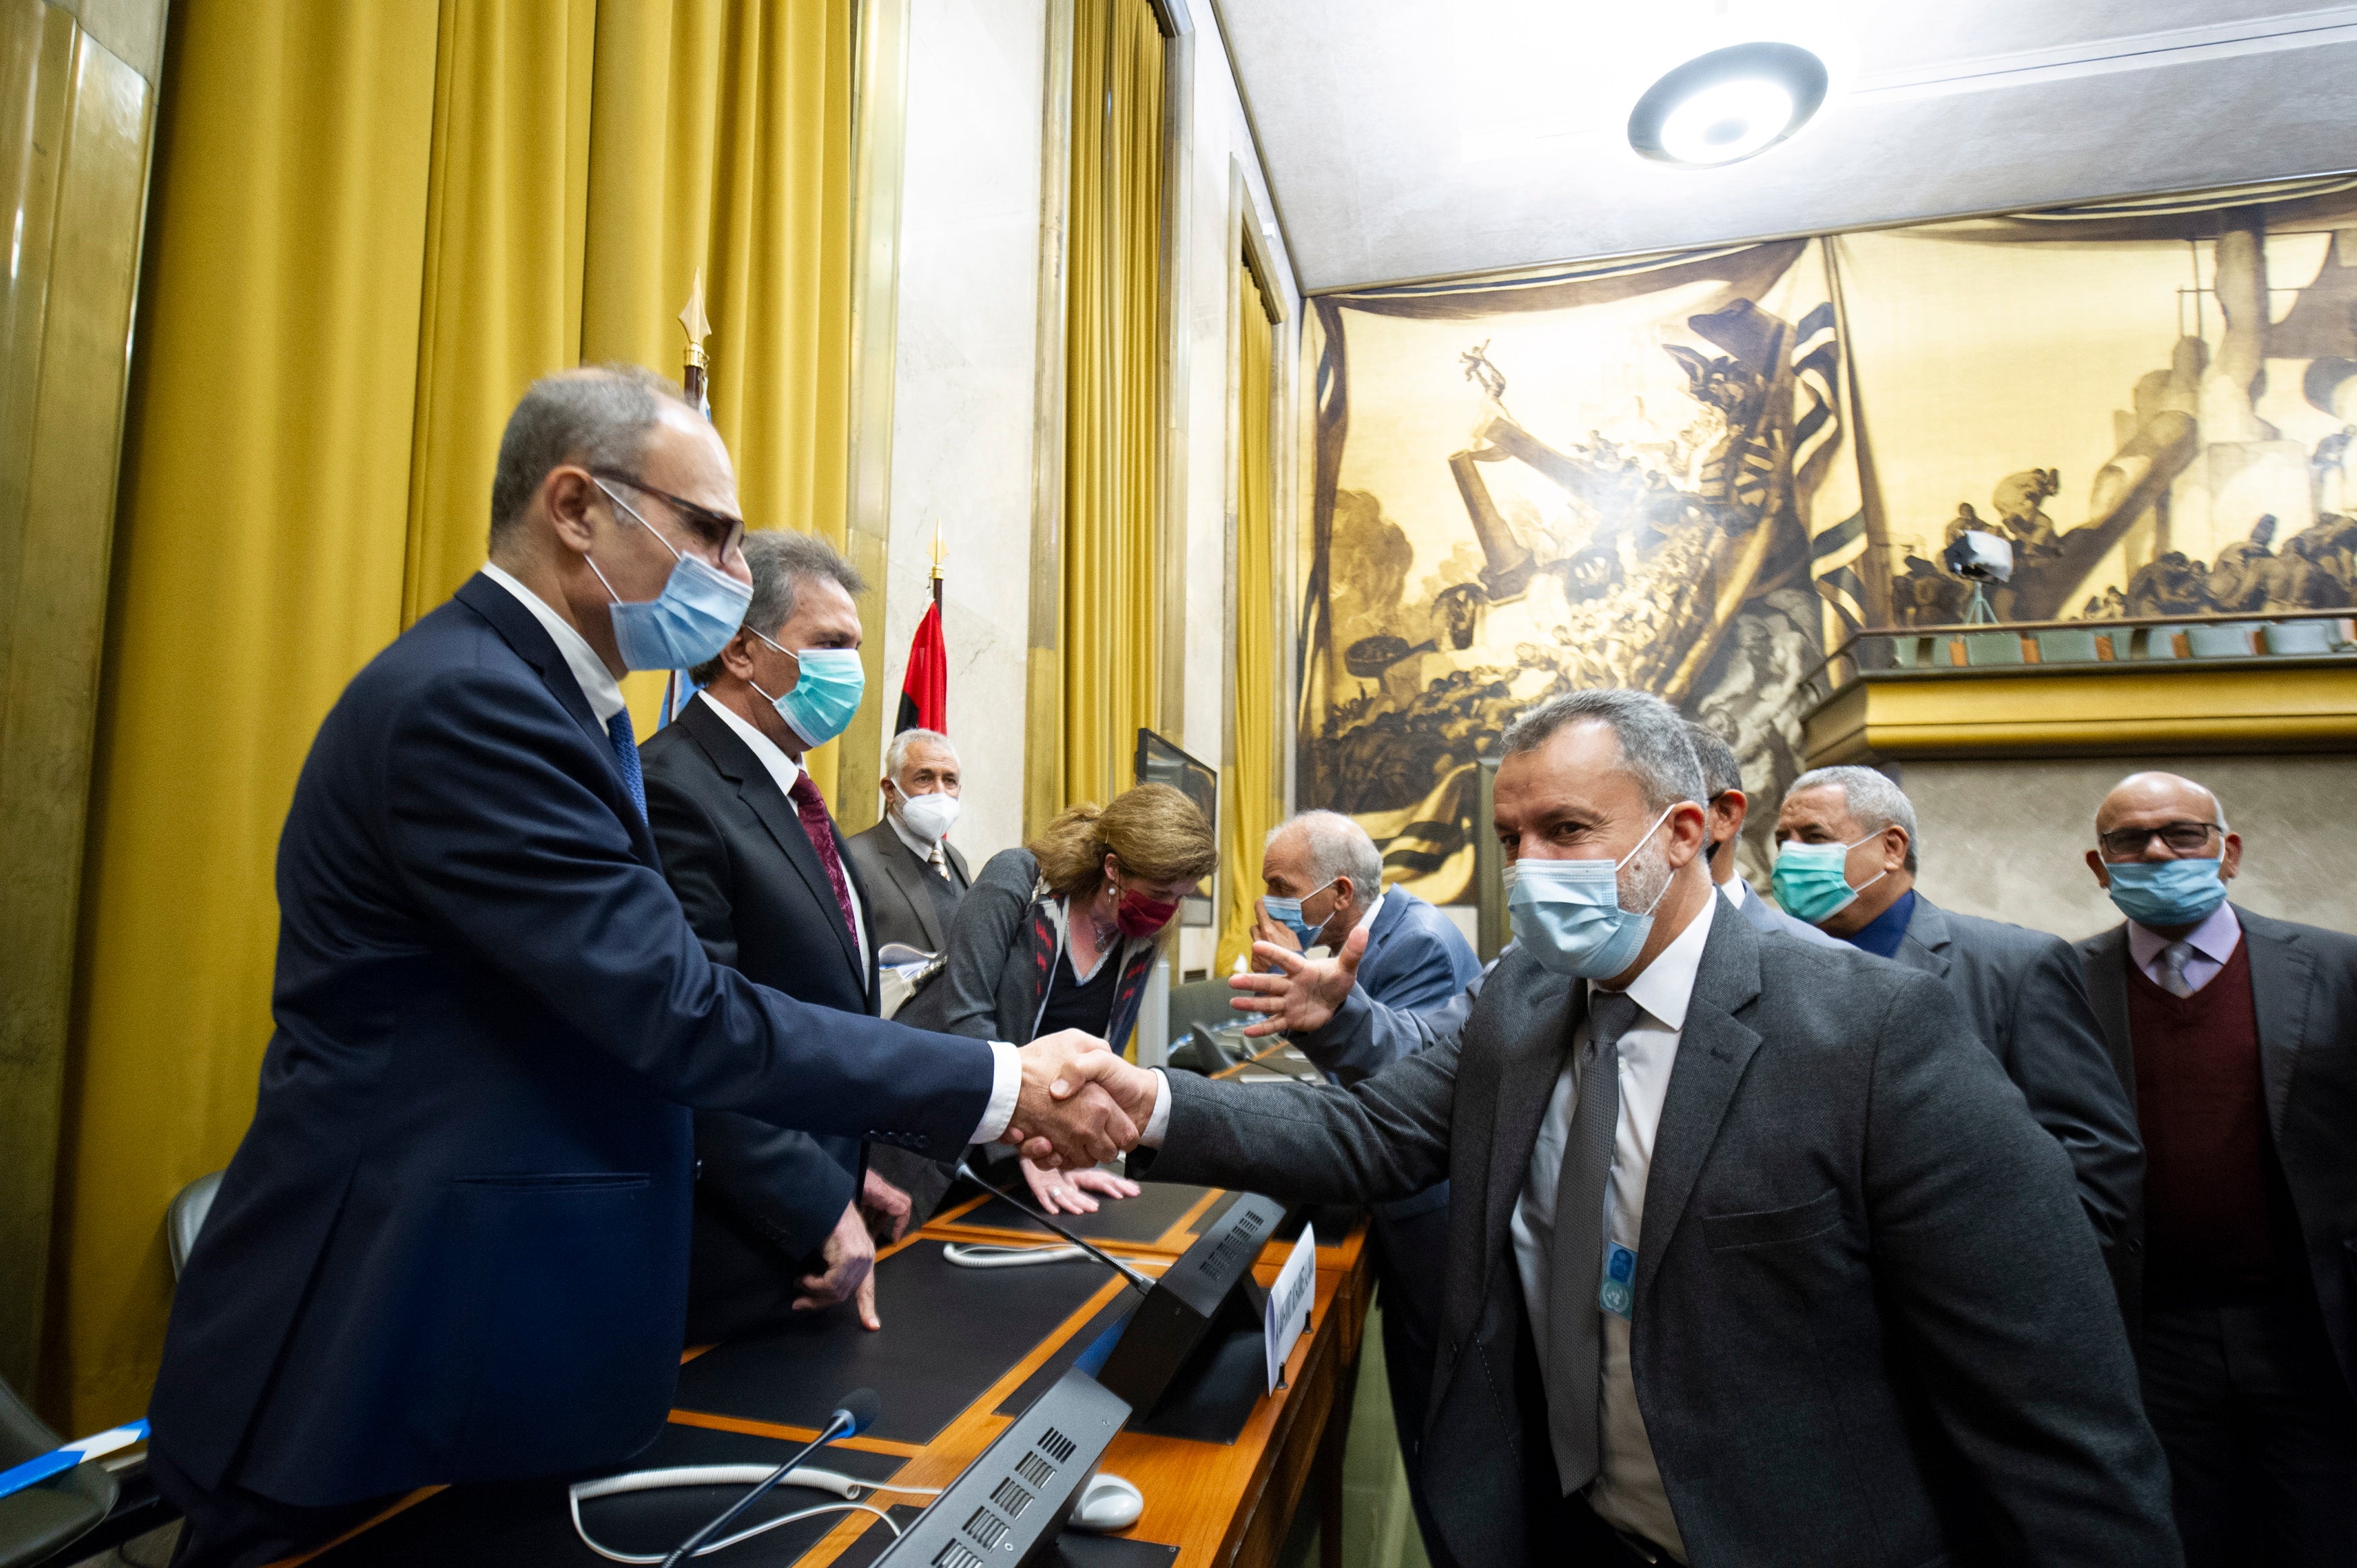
x=1107, y=1502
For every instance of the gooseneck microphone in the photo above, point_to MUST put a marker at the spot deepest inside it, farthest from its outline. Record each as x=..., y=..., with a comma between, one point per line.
x=1143, y=1282
x=857, y=1412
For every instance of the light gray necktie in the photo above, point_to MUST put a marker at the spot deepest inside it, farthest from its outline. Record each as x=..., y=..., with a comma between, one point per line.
x=1576, y=1270
x=2173, y=960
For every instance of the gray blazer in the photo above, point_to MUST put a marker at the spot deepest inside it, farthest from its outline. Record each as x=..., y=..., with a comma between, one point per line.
x=2025, y=994
x=1865, y=1290
x=900, y=907
x=2304, y=986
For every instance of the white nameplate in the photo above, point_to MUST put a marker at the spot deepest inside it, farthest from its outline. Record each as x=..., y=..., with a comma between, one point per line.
x=1289, y=1303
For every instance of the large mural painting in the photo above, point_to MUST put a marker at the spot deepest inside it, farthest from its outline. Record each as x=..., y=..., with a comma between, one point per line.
x=1698, y=474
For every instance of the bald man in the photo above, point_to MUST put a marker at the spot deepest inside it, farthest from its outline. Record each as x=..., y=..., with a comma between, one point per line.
x=2233, y=1034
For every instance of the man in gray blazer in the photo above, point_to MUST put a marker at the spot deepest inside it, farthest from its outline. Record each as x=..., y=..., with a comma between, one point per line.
x=1754, y=1256
x=915, y=873
x=2022, y=991
x=2233, y=1033
x=1722, y=778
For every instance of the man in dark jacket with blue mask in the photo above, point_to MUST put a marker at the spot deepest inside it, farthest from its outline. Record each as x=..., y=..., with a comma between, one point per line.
x=453, y=1244
x=2233, y=1033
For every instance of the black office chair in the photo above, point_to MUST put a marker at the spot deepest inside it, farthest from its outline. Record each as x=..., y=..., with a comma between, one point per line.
x=43, y=1519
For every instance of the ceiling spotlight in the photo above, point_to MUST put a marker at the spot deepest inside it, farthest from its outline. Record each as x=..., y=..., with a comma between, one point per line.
x=1724, y=106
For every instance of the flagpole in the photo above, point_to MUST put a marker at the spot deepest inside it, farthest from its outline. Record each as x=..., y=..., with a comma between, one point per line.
x=696, y=380
x=937, y=566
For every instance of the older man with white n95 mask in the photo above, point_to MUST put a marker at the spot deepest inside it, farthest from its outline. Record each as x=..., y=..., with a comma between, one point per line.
x=1754, y=1256
x=918, y=876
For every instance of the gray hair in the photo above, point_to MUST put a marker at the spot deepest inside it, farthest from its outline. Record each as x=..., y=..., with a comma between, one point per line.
x=1338, y=847
x=780, y=558
x=895, y=756
x=1720, y=770
x=1654, y=750
x=1874, y=802
x=600, y=416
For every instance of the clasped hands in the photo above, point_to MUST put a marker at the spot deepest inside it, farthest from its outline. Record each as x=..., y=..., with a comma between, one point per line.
x=1081, y=1104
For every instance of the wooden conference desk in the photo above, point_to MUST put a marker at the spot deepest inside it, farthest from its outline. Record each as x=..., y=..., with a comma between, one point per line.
x=1222, y=1505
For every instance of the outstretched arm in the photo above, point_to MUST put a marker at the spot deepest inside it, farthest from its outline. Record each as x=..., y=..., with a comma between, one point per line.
x=1346, y=1033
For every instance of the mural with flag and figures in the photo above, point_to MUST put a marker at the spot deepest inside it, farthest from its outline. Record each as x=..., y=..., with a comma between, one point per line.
x=1697, y=474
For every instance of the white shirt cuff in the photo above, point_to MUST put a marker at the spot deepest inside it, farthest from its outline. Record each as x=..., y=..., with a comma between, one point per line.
x=1006, y=1086
x=1159, y=1122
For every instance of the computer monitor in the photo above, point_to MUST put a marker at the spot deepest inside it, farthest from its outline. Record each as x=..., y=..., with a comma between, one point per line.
x=1160, y=762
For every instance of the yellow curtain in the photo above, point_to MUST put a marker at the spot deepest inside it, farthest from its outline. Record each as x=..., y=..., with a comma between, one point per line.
x=1254, y=782
x=372, y=225
x=1107, y=684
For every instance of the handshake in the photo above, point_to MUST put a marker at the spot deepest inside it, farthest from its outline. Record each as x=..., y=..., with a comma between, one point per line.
x=1080, y=1104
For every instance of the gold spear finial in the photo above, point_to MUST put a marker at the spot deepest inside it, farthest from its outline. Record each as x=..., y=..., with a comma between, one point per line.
x=696, y=377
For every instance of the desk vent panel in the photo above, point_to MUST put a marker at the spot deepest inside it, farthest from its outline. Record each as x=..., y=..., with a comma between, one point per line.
x=956, y=1556
x=1036, y=1470
x=1243, y=1238
x=1011, y=1498
x=1056, y=1446
x=986, y=1528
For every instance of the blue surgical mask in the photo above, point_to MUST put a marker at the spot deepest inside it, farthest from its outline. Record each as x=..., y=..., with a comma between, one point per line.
x=1811, y=880
x=1568, y=913
x=820, y=704
x=1287, y=912
x=2167, y=892
x=690, y=621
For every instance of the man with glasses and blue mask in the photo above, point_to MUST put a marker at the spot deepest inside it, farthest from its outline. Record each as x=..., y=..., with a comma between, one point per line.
x=453, y=1245
x=1754, y=1254
x=785, y=1221
x=1846, y=844
x=2233, y=1033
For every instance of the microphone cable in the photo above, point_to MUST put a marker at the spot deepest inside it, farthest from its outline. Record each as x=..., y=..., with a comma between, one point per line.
x=1143, y=1282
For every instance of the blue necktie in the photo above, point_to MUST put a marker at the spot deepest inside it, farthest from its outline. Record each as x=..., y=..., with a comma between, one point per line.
x=626, y=757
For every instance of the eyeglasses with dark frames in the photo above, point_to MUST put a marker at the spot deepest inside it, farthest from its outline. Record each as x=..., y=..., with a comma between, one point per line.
x=2184, y=837
x=716, y=529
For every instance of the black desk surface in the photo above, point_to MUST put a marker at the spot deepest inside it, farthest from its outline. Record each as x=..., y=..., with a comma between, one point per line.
x=949, y=1334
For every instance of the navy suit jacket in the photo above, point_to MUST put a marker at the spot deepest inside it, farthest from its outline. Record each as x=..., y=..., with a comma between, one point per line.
x=1416, y=959
x=453, y=1245
x=735, y=851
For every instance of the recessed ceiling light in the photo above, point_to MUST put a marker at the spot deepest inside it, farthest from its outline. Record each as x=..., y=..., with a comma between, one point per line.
x=1729, y=104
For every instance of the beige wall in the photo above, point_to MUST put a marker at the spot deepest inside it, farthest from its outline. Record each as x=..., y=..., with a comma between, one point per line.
x=2008, y=839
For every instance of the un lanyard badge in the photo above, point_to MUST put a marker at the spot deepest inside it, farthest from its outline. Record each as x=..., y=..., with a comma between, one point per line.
x=1619, y=1292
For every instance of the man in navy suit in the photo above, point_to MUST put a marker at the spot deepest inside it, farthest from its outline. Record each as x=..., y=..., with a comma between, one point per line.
x=1325, y=876
x=453, y=1245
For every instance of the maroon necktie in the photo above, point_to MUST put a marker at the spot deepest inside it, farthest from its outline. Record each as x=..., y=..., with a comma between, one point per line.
x=811, y=809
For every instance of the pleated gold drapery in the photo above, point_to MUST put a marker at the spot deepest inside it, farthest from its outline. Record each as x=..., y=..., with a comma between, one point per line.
x=1107, y=684
x=372, y=226
x=1252, y=782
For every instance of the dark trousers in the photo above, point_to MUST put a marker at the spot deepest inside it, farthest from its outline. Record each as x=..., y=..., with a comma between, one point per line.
x=233, y=1527
x=1408, y=1248
x=2260, y=1431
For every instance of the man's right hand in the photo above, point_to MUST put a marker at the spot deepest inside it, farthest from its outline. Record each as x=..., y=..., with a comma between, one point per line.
x=850, y=1257
x=1303, y=993
x=1062, y=1110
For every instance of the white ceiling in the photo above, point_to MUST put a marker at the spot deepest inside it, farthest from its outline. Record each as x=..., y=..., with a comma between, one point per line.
x=1408, y=139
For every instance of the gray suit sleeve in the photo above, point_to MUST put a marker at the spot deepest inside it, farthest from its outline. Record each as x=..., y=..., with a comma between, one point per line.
x=2065, y=1072
x=1385, y=1137
x=1364, y=1037
x=1978, y=1244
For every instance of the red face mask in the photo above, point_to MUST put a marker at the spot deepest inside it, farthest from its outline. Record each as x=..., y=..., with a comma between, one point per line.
x=1142, y=917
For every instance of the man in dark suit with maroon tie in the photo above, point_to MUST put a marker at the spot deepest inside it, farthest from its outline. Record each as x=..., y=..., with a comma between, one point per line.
x=2232, y=1033
x=783, y=1219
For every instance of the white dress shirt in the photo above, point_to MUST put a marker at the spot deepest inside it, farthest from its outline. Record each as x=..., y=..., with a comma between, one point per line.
x=597, y=682
x=1735, y=890
x=2212, y=942
x=605, y=697
x=1628, y=1493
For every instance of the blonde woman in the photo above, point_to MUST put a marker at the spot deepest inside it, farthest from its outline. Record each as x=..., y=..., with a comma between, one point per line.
x=1061, y=934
